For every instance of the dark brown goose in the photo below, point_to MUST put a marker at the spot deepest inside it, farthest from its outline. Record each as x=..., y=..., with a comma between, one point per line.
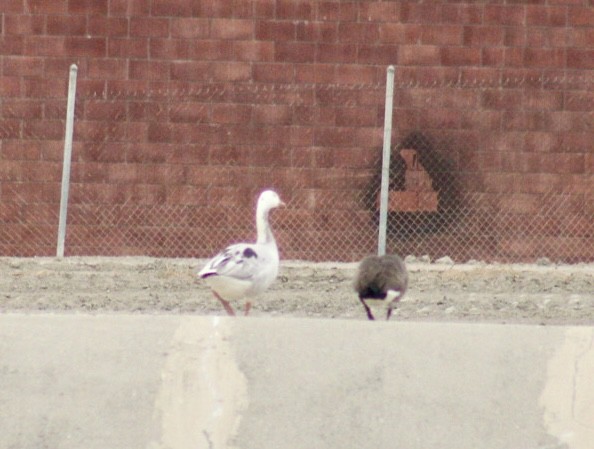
x=383, y=279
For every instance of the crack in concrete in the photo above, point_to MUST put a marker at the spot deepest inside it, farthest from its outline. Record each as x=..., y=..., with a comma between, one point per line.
x=208, y=440
x=576, y=377
x=567, y=398
x=203, y=392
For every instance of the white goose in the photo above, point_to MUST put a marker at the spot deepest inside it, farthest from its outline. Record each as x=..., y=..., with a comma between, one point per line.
x=383, y=279
x=244, y=270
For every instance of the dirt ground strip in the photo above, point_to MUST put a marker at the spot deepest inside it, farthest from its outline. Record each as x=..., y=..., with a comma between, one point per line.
x=537, y=294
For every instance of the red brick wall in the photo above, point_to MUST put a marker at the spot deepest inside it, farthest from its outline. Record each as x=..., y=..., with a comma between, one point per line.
x=187, y=102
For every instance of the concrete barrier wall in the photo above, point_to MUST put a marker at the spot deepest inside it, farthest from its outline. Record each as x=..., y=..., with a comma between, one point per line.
x=177, y=382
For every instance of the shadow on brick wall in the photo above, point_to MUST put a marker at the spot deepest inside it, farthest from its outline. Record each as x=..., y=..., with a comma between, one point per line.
x=432, y=157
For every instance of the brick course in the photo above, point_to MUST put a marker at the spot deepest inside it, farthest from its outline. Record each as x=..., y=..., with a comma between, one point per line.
x=192, y=103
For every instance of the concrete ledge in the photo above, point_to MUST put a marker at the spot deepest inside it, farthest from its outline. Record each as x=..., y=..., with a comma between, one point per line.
x=173, y=382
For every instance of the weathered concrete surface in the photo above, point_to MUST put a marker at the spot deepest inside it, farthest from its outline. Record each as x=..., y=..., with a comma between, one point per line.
x=176, y=382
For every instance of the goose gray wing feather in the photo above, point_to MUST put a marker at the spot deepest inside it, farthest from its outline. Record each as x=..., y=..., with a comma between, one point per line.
x=239, y=261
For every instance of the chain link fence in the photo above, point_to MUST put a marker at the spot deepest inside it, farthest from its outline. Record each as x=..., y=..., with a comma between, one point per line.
x=495, y=170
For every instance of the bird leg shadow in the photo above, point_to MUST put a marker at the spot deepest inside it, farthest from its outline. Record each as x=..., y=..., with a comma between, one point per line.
x=225, y=304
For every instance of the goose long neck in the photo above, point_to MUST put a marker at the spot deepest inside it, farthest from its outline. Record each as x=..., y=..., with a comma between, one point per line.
x=263, y=227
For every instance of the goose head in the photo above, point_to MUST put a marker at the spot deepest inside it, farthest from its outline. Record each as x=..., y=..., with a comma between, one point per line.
x=269, y=199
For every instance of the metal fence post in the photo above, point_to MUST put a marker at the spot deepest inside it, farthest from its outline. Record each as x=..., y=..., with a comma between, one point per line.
x=67, y=160
x=383, y=217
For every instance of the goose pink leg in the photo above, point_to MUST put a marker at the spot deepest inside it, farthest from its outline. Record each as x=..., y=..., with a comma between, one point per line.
x=225, y=304
x=248, y=307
